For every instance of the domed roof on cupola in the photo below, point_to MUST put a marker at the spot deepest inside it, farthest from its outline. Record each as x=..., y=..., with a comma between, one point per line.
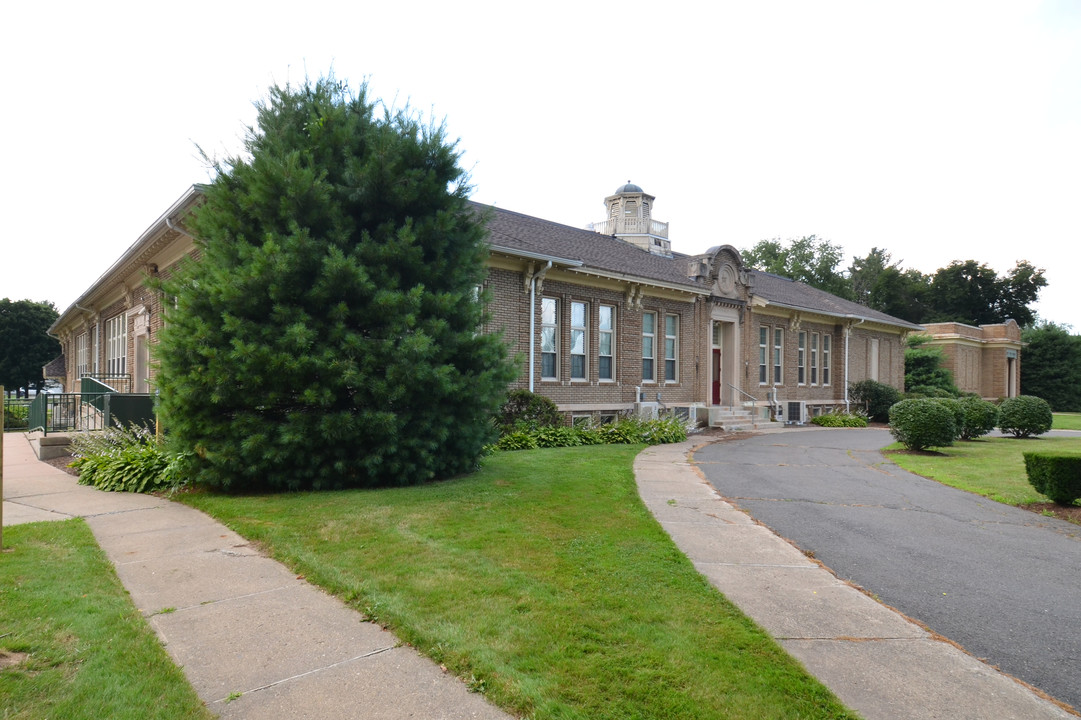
x=628, y=188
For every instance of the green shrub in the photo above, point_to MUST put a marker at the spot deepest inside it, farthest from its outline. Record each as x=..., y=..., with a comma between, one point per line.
x=16, y=417
x=562, y=436
x=979, y=417
x=1057, y=476
x=875, y=397
x=954, y=406
x=628, y=431
x=922, y=423
x=129, y=459
x=518, y=440
x=524, y=410
x=1024, y=415
x=839, y=419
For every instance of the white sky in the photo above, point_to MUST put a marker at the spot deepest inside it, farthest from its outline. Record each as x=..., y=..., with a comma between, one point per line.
x=937, y=130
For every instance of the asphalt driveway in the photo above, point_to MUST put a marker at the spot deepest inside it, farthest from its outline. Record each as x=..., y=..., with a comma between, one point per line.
x=1004, y=583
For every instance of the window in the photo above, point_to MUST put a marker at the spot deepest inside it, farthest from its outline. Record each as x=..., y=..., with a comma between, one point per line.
x=763, y=354
x=549, y=339
x=116, y=345
x=578, y=341
x=826, y=359
x=778, y=355
x=671, y=341
x=605, y=342
x=814, y=358
x=81, y=355
x=649, y=333
x=801, y=359
x=95, y=353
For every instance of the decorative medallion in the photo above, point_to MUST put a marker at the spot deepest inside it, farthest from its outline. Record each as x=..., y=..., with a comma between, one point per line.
x=726, y=279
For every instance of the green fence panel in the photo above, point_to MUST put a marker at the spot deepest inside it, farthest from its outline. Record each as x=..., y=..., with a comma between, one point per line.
x=123, y=409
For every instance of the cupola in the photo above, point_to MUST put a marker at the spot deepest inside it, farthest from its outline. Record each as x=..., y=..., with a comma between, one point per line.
x=630, y=219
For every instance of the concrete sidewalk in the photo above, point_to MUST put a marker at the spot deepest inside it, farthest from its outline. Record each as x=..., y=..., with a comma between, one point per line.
x=875, y=660
x=235, y=621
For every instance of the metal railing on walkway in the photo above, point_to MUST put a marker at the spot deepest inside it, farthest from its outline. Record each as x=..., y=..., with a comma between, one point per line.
x=65, y=412
x=16, y=414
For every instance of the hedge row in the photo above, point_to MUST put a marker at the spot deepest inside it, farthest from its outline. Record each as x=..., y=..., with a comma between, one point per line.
x=839, y=419
x=1055, y=475
x=627, y=431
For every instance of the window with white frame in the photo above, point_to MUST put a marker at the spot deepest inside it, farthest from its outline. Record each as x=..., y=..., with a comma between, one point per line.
x=116, y=345
x=778, y=356
x=671, y=346
x=82, y=354
x=549, y=332
x=649, y=349
x=814, y=358
x=605, y=342
x=801, y=359
x=826, y=343
x=95, y=351
x=763, y=354
x=579, y=340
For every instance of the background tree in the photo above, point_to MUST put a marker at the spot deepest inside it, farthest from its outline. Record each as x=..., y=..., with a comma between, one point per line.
x=972, y=293
x=864, y=272
x=903, y=294
x=1051, y=366
x=809, y=260
x=327, y=337
x=24, y=345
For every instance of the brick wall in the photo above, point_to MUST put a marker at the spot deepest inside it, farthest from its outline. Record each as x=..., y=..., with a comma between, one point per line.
x=509, y=313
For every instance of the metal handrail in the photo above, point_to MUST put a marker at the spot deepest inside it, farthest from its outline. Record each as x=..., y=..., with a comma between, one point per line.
x=754, y=400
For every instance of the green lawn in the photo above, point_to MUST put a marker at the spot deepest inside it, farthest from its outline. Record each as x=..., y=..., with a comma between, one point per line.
x=992, y=467
x=545, y=583
x=71, y=643
x=1067, y=421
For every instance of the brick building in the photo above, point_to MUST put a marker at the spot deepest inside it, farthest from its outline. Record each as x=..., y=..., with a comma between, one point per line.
x=603, y=319
x=985, y=360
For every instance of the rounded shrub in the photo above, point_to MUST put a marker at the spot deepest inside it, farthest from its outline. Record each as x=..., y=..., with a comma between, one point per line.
x=954, y=406
x=980, y=417
x=524, y=410
x=1024, y=416
x=875, y=397
x=922, y=423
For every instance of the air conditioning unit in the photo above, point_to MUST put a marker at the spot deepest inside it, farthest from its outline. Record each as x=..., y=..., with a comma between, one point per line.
x=795, y=412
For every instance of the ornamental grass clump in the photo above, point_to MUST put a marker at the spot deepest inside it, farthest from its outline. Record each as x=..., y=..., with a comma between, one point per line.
x=922, y=423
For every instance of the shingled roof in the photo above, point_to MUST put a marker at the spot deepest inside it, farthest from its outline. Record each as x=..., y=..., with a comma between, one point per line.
x=608, y=255
x=604, y=254
x=785, y=292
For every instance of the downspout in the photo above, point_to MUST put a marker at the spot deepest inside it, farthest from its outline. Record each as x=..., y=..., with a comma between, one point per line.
x=533, y=319
x=175, y=228
x=848, y=332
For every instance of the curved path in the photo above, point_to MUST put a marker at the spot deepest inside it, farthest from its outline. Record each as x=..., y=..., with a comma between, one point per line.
x=1003, y=583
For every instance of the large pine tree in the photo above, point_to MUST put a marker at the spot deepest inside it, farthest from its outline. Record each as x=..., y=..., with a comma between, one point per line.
x=328, y=334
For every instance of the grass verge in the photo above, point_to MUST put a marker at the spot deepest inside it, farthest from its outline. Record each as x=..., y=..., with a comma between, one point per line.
x=992, y=467
x=1066, y=421
x=545, y=583
x=71, y=643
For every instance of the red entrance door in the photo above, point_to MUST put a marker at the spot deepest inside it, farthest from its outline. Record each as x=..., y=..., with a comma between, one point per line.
x=716, y=376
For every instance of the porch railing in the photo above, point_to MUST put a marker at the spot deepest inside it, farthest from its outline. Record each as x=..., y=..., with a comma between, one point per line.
x=113, y=382
x=66, y=412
